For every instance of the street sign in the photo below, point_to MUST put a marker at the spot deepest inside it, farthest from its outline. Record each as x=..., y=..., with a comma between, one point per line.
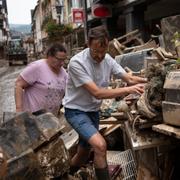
x=77, y=15
x=101, y=10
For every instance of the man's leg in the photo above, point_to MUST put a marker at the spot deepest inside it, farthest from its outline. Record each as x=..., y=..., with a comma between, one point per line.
x=79, y=159
x=99, y=145
x=86, y=124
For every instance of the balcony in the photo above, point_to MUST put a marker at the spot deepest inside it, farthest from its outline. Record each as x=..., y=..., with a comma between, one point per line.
x=1, y=16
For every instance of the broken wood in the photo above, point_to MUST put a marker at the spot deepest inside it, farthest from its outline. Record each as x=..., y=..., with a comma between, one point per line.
x=118, y=115
x=110, y=129
x=110, y=122
x=167, y=129
x=128, y=34
x=147, y=45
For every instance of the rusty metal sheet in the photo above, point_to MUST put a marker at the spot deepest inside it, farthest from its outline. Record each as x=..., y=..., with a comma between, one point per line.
x=19, y=134
x=23, y=167
x=40, y=134
x=28, y=131
x=49, y=125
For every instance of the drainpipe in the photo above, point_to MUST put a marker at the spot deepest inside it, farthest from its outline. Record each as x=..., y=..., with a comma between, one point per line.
x=85, y=19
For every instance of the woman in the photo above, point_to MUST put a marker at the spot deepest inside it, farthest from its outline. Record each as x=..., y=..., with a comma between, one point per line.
x=41, y=84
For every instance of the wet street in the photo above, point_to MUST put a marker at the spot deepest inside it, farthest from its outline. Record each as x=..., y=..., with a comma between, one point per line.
x=8, y=76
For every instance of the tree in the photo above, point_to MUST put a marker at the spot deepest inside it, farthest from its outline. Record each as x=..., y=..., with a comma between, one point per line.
x=56, y=31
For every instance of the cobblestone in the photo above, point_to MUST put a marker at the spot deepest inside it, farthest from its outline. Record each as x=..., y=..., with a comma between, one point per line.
x=8, y=76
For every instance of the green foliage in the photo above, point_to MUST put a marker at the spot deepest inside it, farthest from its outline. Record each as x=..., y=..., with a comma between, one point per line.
x=176, y=39
x=46, y=20
x=178, y=61
x=57, y=31
x=177, y=35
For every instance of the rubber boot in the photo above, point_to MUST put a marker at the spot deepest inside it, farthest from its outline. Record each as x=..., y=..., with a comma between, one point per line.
x=73, y=169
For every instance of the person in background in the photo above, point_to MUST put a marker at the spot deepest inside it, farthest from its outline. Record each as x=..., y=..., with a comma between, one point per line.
x=89, y=75
x=41, y=85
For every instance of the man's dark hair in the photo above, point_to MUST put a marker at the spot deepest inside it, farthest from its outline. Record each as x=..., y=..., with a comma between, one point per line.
x=98, y=33
x=54, y=48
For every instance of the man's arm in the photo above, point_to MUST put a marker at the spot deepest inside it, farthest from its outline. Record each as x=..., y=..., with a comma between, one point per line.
x=131, y=80
x=102, y=93
x=20, y=85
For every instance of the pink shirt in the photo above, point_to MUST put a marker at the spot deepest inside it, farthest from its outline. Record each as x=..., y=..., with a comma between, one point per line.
x=46, y=88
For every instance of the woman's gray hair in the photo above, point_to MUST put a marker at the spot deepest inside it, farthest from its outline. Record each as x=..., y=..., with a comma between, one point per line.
x=54, y=48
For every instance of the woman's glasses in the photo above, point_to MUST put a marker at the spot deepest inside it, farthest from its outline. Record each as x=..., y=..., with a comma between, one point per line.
x=62, y=59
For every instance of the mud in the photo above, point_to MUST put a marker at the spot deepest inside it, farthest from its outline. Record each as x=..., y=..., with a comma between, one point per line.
x=8, y=76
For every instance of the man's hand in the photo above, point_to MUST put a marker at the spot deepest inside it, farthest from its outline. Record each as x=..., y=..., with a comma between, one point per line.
x=131, y=80
x=138, y=88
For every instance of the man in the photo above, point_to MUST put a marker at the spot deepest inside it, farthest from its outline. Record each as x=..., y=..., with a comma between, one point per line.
x=89, y=75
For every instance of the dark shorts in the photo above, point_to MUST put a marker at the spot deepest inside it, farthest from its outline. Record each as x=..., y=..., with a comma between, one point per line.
x=86, y=124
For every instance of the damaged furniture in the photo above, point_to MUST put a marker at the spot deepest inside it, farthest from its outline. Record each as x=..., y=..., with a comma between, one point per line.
x=32, y=147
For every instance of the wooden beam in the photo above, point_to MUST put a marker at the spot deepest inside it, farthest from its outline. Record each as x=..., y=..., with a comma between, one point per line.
x=128, y=2
x=167, y=129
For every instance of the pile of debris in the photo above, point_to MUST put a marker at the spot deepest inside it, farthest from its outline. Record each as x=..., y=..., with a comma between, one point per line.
x=32, y=147
x=156, y=108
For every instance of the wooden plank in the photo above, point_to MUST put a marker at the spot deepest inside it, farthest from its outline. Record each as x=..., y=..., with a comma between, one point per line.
x=119, y=115
x=112, y=120
x=123, y=3
x=132, y=33
x=111, y=129
x=167, y=129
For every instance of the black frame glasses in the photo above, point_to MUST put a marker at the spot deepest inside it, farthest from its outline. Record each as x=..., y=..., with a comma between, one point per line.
x=60, y=59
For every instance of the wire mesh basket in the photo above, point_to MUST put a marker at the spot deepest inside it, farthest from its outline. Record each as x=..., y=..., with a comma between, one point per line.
x=126, y=160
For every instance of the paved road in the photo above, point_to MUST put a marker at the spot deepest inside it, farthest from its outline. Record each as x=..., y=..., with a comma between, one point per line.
x=8, y=76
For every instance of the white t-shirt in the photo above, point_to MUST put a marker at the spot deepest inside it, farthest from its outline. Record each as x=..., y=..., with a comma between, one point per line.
x=83, y=69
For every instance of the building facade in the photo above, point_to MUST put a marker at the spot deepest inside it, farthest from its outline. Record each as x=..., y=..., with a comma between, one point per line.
x=4, y=27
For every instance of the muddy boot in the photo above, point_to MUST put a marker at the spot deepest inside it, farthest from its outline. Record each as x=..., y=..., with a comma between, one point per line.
x=102, y=173
x=73, y=169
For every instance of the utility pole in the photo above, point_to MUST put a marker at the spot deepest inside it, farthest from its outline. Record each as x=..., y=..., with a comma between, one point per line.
x=85, y=19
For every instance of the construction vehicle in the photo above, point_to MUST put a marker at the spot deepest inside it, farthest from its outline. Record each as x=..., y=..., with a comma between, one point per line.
x=15, y=52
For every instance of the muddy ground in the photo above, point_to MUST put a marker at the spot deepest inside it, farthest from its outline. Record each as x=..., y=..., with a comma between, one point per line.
x=8, y=75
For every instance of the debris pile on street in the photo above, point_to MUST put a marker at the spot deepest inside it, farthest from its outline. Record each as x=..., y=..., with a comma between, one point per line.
x=40, y=145
x=32, y=147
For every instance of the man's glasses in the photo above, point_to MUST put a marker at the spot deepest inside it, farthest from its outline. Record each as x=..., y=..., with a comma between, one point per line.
x=96, y=52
